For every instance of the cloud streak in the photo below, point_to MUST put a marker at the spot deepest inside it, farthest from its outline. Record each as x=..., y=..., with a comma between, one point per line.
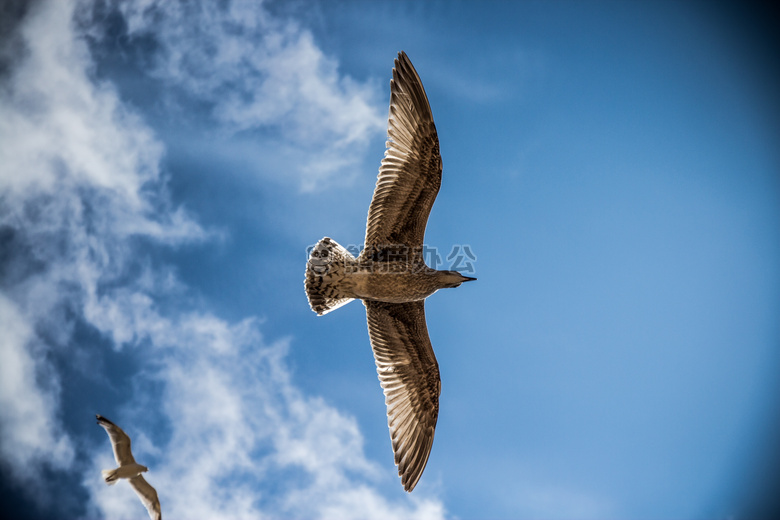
x=212, y=407
x=75, y=170
x=245, y=441
x=258, y=72
x=28, y=438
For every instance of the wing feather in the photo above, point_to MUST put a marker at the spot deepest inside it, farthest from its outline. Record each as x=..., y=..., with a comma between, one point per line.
x=120, y=442
x=409, y=375
x=410, y=173
x=148, y=496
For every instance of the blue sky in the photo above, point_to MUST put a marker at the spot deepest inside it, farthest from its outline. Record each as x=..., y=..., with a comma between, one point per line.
x=613, y=167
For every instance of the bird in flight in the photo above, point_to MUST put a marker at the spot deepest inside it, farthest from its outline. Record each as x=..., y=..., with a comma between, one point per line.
x=129, y=469
x=390, y=275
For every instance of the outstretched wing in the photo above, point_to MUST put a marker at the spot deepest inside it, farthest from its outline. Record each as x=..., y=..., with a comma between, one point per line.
x=119, y=441
x=409, y=375
x=410, y=174
x=148, y=496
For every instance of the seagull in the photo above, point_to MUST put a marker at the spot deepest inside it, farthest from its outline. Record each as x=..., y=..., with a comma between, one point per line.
x=390, y=275
x=129, y=469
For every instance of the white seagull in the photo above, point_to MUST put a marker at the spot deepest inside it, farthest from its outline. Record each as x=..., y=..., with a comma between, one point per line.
x=129, y=468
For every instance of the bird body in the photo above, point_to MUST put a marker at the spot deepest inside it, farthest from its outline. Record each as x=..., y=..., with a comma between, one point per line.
x=390, y=275
x=366, y=278
x=128, y=471
x=395, y=287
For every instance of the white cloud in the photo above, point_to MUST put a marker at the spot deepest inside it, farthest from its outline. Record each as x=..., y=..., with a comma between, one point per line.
x=59, y=120
x=244, y=441
x=72, y=179
x=257, y=71
x=26, y=431
x=80, y=180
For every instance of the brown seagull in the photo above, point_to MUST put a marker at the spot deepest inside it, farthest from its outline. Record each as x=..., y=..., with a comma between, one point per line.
x=390, y=274
x=129, y=469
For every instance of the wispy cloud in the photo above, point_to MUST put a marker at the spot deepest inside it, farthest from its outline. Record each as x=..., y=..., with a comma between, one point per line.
x=256, y=71
x=243, y=440
x=29, y=438
x=75, y=170
x=212, y=409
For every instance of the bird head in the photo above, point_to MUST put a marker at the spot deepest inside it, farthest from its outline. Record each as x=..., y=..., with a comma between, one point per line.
x=144, y=469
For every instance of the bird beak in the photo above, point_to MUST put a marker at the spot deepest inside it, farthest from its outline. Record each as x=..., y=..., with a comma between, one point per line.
x=468, y=278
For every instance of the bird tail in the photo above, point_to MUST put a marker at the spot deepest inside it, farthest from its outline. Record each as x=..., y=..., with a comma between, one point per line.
x=326, y=286
x=109, y=475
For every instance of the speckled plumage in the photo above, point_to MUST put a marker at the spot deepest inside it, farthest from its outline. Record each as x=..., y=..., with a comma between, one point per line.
x=390, y=274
